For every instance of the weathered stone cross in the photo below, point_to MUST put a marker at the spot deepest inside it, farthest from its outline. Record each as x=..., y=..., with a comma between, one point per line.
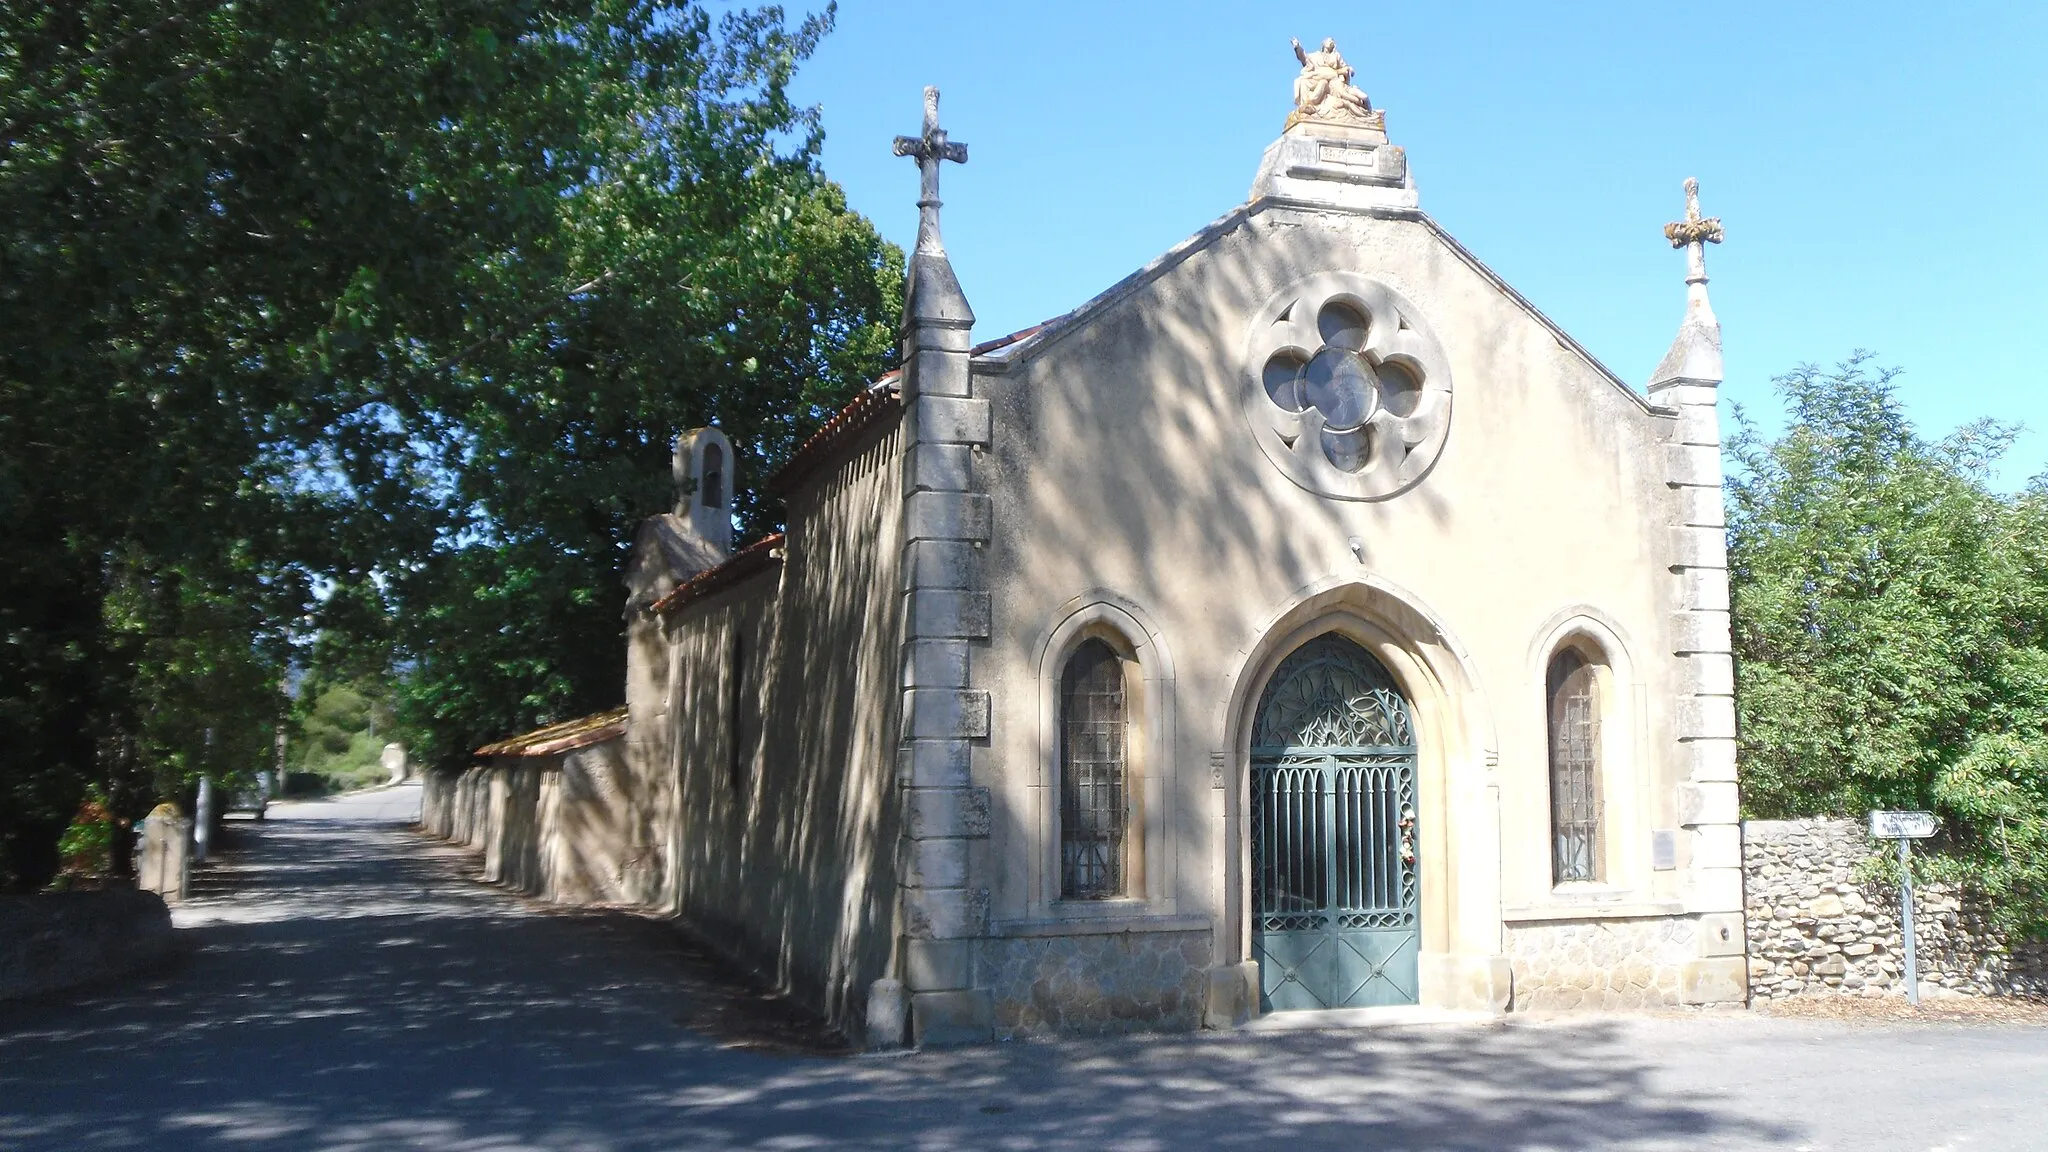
x=1693, y=234
x=928, y=150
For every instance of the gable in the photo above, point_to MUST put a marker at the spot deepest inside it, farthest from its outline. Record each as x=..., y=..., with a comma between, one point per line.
x=1014, y=353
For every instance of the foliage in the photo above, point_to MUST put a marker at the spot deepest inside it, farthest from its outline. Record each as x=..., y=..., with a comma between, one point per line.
x=204, y=685
x=1891, y=629
x=87, y=844
x=340, y=736
x=741, y=291
x=395, y=303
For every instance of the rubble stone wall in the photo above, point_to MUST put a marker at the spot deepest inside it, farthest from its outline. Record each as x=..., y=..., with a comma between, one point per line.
x=1601, y=964
x=1821, y=923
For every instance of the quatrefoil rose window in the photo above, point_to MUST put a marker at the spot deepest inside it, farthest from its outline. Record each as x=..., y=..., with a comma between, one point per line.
x=1346, y=390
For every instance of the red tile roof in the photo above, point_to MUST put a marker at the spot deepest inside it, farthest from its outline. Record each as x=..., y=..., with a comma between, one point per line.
x=756, y=557
x=566, y=736
x=881, y=400
x=988, y=346
x=875, y=404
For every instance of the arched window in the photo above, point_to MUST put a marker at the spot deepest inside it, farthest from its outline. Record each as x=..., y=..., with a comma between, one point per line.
x=1573, y=690
x=1094, y=785
x=714, y=476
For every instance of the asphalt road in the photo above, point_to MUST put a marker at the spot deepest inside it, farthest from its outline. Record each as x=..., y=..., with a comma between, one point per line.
x=349, y=989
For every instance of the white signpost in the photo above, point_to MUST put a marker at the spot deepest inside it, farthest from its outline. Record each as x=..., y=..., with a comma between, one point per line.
x=1905, y=827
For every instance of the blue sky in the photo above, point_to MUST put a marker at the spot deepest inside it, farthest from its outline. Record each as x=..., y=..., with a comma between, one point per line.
x=1879, y=167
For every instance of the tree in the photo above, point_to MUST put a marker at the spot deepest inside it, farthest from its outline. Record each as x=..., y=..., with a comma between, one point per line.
x=738, y=290
x=296, y=291
x=1890, y=618
x=337, y=735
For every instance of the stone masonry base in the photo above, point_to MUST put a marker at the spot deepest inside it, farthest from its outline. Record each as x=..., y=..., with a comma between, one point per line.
x=1604, y=964
x=1096, y=984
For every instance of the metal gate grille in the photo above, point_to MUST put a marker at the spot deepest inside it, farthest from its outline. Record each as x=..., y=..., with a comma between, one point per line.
x=1334, y=892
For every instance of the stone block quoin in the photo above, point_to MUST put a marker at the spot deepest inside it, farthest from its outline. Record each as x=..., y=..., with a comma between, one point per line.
x=946, y=524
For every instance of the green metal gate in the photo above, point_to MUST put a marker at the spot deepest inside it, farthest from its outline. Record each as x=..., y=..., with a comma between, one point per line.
x=1335, y=917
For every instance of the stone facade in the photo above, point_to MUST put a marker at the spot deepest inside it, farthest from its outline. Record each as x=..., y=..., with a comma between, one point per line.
x=1611, y=964
x=857, y=734
x=771, y=681
x=1106, y=983
x=1822, y=922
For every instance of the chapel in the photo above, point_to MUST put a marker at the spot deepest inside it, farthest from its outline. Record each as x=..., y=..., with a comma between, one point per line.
x=1306, y=624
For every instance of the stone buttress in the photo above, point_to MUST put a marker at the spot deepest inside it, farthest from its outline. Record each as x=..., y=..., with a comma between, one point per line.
x=946, y=617
x=1688, y=382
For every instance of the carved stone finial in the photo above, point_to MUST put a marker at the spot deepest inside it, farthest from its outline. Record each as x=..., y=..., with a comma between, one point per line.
x=1695, y=357
x=928, y=150
x=932, y=295
x=1694, y=229
x=1323, y=93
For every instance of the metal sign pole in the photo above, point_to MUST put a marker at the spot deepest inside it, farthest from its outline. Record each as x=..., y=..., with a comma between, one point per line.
x=1905, y=827
x=1906, y=919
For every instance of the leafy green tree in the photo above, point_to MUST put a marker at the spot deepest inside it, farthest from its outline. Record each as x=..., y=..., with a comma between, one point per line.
x=513, y=618
x=734, y=288
x=204, y=691
x=352, y=297
x=1890, y=619
x=338, y=734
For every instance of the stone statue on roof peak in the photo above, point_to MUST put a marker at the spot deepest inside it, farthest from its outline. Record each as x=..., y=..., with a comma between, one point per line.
x=1324, y=92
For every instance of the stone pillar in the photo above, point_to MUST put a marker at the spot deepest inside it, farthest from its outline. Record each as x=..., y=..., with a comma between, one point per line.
x=202, y=827
x=1688, y=382
x=946, y=611
x=394, y=764
x=945, y=615
x=1705, y=715
x=164, y=863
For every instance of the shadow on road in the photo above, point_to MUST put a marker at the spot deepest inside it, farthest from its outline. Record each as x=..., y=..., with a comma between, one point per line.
x=350, y=991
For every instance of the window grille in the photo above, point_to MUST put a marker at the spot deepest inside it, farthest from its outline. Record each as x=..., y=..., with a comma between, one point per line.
x=1093, y=790
x=1574, y=768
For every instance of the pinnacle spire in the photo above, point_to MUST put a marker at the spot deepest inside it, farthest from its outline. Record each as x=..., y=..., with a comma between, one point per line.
x=1695, y=356
x=934, y=292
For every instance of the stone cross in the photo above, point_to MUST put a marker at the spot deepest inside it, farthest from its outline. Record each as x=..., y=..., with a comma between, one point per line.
x=1693, y=234
x=928, y=150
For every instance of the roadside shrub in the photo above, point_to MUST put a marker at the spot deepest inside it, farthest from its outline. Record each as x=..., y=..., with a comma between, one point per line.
x=87, y=846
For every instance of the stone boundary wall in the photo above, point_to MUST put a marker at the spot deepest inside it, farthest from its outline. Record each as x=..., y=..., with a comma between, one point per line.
x=552, y=827
x=455, y=805
x=1817, y=926
x=61, y=940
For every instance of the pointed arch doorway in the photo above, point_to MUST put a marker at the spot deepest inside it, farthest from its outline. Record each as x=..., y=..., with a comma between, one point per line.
x=1336, y=918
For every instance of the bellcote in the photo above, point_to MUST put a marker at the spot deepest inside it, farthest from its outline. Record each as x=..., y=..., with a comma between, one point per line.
x=702, y=465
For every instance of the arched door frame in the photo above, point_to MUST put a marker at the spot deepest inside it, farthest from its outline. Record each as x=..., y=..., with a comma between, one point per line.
x=1457, y=755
